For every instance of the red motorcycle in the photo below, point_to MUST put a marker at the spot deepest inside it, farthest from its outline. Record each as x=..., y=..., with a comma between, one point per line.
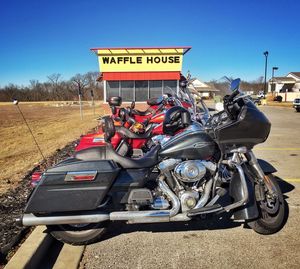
x=133, y=128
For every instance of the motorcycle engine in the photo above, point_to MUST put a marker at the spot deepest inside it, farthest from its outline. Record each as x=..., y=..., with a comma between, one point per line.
x=190, y=171
x=191, y=175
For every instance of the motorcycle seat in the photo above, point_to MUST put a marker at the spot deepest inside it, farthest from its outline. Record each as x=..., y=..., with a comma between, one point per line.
x=155, y=101
x=108, y=153
x=142, y=113
x=128, y=134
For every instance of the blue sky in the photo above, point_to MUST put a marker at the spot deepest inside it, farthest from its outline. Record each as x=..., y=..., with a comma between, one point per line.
x=42, y=37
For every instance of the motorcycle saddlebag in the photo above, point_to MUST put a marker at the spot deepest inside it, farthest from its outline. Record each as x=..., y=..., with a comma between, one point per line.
x=73, y=186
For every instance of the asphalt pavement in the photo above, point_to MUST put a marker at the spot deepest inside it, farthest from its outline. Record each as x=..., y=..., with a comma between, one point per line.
x=216, y=243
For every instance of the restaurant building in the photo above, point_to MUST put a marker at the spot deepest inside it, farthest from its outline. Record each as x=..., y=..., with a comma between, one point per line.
x=137, y=74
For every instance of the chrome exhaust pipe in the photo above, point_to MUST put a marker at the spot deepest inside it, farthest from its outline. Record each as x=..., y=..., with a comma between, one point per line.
x=205, y=196
x=32, y=220
x=178, y=217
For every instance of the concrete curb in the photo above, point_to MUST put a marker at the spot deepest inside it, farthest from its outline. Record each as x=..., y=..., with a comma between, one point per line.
x=41, y=250
x=69, y=257
x=30, y=253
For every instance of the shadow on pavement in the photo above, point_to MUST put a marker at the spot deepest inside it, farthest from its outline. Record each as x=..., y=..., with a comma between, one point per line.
x=209, y=223
x=285, y=187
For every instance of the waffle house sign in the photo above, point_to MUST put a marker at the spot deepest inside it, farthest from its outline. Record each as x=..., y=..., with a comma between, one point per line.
x=139, y=64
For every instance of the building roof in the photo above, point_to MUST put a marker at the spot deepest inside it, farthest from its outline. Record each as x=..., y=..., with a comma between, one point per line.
x=207, y=89
x=297, y=74
x=200, y=86
x=198, y=83
x=283, y=80
x=135, y=50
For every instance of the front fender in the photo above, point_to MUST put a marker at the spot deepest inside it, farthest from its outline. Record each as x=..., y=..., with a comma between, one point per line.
x=248, y=211
x=266, y=167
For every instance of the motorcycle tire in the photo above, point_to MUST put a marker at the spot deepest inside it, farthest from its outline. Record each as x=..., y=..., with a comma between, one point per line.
x=78, y=234
x=271, y=222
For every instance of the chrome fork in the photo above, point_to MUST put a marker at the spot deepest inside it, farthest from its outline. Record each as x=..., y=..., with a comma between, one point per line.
x=260, y=173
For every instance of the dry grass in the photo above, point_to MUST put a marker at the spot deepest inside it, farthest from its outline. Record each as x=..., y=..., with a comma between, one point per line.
x=282, y=104
x=53, y=124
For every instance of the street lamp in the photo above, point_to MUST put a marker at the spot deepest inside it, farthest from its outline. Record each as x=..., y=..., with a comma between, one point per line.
x=266, y=53
x=273, y=69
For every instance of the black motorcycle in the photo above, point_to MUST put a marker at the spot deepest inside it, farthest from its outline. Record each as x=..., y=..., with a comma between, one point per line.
x=183, y=178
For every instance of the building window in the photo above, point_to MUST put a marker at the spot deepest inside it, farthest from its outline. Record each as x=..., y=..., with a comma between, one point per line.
x=155, y=88
x=127, y=90
x=112, y=89
x=170, y=86
x=141, y=90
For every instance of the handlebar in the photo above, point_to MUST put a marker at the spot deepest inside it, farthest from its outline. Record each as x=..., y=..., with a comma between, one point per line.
x=234, y=94
x=228, y=101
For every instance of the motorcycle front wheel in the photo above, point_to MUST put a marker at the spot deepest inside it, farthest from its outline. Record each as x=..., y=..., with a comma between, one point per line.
x=78, y=234
x=272, y=211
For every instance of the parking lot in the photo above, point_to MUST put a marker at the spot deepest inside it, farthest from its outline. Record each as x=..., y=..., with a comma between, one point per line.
x=216, y=243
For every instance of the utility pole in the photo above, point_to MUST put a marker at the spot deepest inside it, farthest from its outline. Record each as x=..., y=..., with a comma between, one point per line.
x=266, y=53
x=80, y=103
x=93, y=103
x=273, y=69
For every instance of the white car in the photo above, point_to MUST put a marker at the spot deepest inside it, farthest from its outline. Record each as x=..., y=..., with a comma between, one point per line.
x=296, y=104
x=261, y=94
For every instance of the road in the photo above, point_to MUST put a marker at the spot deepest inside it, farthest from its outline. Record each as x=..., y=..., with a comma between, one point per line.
x=216, y=243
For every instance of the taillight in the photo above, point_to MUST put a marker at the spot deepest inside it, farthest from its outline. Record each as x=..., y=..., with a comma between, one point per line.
x=35, y=178
x=81, y=176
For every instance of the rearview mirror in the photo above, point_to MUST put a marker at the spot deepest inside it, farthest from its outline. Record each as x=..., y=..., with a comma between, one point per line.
x=235, y=84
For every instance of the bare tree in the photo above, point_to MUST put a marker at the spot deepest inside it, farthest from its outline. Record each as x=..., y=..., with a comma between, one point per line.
x=92, y=78
x=55, y=80
x=80, y=82
x=94, y=85
x=36, y=90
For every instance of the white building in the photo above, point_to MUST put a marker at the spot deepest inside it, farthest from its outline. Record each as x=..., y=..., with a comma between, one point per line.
x=287, y=87
x=202, y=87
x=289, y=83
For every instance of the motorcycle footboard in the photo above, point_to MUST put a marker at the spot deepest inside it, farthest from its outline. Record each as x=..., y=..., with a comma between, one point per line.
x=75, y=186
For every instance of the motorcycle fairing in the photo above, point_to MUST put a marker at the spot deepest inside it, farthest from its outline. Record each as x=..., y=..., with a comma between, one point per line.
x=240, y=132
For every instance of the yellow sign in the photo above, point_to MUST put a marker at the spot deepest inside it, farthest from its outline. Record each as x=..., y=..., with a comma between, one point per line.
x=144, y=60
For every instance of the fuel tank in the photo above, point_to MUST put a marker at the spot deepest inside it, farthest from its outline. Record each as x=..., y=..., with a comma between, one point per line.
x=158, y=118
x=193, y=143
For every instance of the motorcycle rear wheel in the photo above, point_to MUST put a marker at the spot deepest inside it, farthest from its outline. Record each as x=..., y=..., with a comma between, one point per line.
x=272, y=213
x=82, y=234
